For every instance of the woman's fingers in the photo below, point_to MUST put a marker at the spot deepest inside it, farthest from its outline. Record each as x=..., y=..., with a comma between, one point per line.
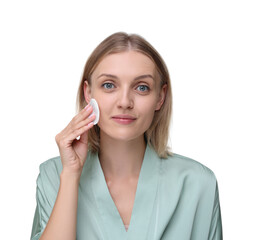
x=76, y=127
x=82, y=127
x=85, y=121
x=83, y=114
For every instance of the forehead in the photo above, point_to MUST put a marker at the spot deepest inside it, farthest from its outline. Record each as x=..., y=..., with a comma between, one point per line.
x=127, y=63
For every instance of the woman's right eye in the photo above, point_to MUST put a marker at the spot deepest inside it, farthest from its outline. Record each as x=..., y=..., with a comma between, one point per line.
x=108, y=85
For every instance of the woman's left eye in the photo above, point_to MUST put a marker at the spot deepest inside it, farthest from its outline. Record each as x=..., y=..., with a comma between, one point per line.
x=143, y=88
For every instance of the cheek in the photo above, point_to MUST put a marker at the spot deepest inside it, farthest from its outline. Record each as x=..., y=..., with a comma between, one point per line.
x=147, y=111
x=105, y=108
x=149, y=114
x=102, y=101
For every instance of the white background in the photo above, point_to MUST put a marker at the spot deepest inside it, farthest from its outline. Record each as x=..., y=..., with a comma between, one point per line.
x=209, y=49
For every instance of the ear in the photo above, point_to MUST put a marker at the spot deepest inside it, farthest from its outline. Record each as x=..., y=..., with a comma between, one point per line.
x=162, y=96
x=87, y=91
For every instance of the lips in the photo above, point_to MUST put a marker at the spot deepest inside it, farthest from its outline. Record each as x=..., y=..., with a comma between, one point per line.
x=124, y=116
x=124, y=119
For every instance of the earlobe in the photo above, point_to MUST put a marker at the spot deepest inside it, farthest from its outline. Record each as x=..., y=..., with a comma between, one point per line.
x=87, y=91
x=162, y=97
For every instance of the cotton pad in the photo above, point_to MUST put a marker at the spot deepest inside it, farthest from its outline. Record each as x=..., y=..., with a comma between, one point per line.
x=95, y=107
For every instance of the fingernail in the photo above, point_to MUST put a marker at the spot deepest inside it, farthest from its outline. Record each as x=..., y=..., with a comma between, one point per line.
x=91, y=115
x=86, y=106
x=89, y=108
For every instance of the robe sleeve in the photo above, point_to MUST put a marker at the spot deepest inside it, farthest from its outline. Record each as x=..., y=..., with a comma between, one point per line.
x=43, y=207
x=215, y=232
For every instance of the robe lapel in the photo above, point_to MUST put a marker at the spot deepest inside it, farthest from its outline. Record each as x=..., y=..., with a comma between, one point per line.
x=143, y=204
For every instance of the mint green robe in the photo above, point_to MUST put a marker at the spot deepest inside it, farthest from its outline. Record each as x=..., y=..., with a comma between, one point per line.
x=176, y=199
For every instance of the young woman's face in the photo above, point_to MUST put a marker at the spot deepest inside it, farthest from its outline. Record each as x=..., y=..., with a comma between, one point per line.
x=128, y=93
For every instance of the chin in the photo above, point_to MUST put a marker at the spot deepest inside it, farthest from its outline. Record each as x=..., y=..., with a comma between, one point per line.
x=123, y=135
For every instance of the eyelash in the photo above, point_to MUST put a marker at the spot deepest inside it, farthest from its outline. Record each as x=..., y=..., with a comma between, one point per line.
x=142, y=85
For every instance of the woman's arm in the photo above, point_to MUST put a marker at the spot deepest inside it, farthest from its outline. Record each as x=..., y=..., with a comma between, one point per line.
x=59, y=221
x=63, y=219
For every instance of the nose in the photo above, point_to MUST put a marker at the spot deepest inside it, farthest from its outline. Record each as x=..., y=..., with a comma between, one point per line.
x=125, y=99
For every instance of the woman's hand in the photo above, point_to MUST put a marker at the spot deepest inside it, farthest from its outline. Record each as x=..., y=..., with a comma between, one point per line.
x=73, y=152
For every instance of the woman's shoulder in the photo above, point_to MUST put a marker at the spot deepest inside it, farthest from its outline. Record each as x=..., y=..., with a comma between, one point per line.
x=186, y=167
x=49, y=173
x=51, y=165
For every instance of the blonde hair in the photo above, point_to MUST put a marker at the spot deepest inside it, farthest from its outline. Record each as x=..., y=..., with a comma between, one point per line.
x=157, y=134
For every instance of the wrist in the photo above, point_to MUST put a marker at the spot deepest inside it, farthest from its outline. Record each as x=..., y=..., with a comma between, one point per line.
x=71, y=177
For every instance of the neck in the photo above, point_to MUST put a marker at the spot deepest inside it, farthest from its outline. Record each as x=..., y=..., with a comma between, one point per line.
x=121, y=160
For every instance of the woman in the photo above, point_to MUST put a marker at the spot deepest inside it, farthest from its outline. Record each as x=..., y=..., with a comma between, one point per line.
x=120, y=180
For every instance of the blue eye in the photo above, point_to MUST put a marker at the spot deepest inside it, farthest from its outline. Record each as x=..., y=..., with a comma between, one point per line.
x=143, y=88
x=108, y=85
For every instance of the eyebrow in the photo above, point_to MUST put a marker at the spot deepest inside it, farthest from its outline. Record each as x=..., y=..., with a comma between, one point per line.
x=137, y=78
